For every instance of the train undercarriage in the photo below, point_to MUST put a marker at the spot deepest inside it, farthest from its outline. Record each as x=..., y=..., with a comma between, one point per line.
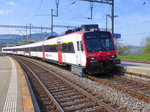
x=100, y=67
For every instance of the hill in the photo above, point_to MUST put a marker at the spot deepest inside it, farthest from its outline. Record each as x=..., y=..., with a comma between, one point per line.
x=17, y=39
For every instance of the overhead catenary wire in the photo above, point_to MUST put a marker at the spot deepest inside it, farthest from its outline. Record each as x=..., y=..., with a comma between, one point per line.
x=91, y=10
x=142, y=33
x=27, y=11
x=36, y=11
x=135, y=25
x=57, y=6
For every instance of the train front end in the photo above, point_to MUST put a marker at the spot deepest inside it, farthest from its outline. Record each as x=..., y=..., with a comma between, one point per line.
x=100, y=50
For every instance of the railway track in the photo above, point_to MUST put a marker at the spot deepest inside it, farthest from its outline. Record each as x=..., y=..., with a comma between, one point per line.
x=134, y=88
x=55, y=93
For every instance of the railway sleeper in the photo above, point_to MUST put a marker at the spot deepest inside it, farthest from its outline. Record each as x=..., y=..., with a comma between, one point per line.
x=79, y=107
x=67, y=104
x=70, y=99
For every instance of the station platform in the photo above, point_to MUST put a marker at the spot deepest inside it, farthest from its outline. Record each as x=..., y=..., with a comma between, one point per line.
x=14, y=93
x=134, y=64
x=140, y=70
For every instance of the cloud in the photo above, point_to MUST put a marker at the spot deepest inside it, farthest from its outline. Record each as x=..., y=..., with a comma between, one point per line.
x=3, y=12
x=11, y=3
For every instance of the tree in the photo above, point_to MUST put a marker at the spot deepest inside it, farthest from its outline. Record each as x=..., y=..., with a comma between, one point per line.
x=123, y=49
x=25, y=42
x=147, y=46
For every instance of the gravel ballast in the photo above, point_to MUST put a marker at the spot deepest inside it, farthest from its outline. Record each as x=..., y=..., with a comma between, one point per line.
x=115, y=97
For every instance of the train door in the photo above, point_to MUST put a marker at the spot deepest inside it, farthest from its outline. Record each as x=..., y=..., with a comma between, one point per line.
x=79, y=53
x=43, y=51
x=30, y=52
x=24, y=51
x=59, y=52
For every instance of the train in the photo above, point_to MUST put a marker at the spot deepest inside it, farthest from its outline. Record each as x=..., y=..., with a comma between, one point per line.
x=86, y=50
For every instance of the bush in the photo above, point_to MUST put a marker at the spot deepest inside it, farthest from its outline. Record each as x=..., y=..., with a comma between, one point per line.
x=147, y=46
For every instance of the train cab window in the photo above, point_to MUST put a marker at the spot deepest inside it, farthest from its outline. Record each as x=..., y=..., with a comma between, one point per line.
x=107, y=42
x=98, y=41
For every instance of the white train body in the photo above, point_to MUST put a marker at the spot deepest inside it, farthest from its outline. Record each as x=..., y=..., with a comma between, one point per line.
x=91, y=51
x=76, y=56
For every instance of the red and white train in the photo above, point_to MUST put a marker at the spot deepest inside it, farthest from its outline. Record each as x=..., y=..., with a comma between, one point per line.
x=87, y=50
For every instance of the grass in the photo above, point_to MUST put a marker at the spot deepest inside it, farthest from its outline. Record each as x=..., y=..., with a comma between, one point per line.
x=143, y=58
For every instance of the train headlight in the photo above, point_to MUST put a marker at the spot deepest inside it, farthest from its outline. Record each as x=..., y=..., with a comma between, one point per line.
x=91, y=58
x=113, y=56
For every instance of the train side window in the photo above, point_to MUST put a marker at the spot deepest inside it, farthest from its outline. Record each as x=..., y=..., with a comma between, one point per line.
x=26, y=50
x=39, y=48
x=31, y=49
x=55, y=48
x=47, y=48
x=72, y=47
x=34, y=48
x=67, y=48
x=52, y=48
x=81, y=46
x=64, y=47
x=78, y=49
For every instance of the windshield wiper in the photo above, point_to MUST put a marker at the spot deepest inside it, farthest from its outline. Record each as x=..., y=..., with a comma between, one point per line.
x=105, y=48
x=91, y=49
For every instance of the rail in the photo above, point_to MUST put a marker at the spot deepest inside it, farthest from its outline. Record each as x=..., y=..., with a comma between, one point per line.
x=131, y=87
x=88, y=101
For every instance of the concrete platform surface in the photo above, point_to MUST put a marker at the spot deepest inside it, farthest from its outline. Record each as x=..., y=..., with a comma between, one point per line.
x=138, y=69
x=135, y=65
x=14, y=92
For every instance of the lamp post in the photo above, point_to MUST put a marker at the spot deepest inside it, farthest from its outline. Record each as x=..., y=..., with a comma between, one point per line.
x=52, y=15
x=112, y=18
x=107, y=15
x=91, y=9
x=30, y=33
x=109, y=2
x=57, y=6
x=52, y=21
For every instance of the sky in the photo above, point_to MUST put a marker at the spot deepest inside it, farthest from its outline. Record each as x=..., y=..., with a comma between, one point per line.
x=133, y=21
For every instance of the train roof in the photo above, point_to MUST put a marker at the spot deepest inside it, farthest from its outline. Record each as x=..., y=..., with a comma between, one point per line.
x=80, y=30
x=84, y=29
